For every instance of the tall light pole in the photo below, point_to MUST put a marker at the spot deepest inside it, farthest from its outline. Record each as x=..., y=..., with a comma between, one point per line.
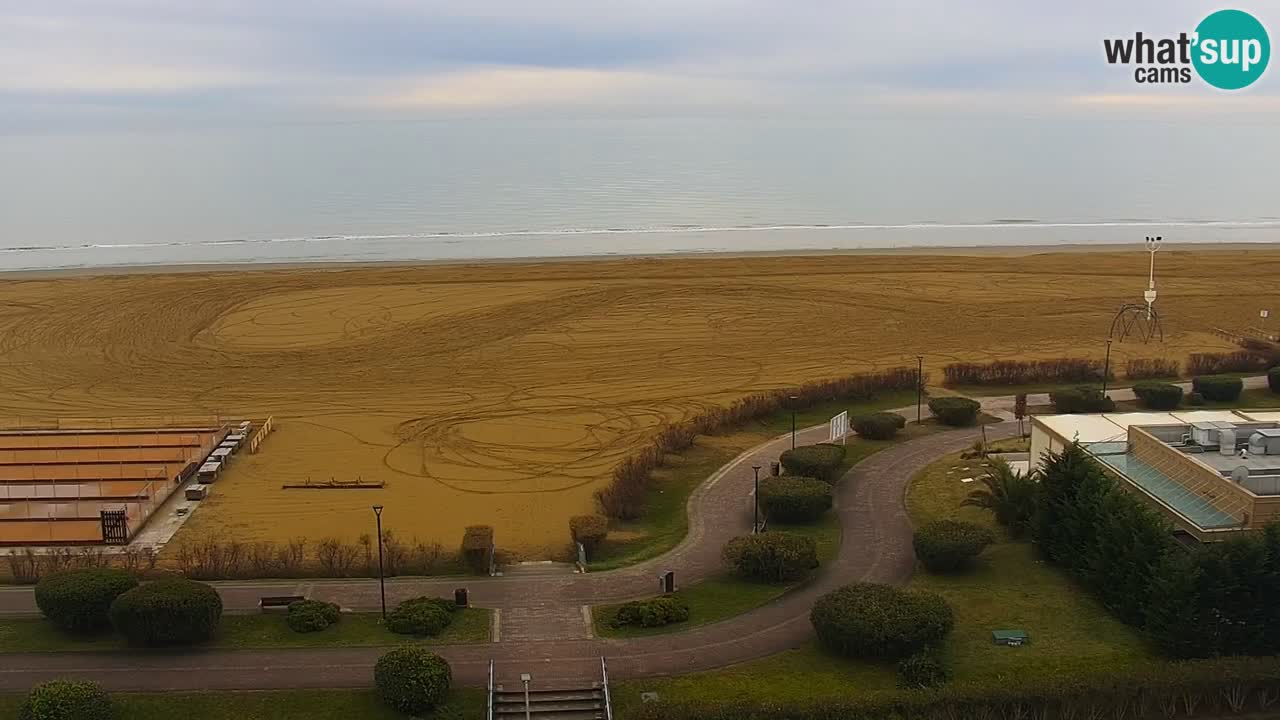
x=794, y=400
x=1106, y=368
x=755, y=509
x=382, y=583
x=919, y=385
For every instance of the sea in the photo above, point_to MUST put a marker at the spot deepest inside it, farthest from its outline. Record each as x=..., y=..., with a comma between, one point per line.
x=310, y=190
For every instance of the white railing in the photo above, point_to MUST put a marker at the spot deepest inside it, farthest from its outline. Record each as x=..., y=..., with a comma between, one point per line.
x=608, y=701
x=490, y=714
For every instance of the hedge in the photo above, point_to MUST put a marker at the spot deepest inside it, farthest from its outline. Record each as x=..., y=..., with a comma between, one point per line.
x=67, y=700
x=772, y=556
x=79, y=600
x=421, y=616
x=1081, y=400
x=792, y=499
x=312, y=615
x=1022, y=372
x=1217, y=363
x=412, y=680
x=954, y=411
x=817, y=461
x=590, y=530
x=167, y=612
x=878, y=426
x=1151, y=368
x=477, y=543
x=1208, y=688
x=1273, y=379
x=945, y=546
x=1221, y=388
x=653, y=612
x=1158, y=396
x=881, y=622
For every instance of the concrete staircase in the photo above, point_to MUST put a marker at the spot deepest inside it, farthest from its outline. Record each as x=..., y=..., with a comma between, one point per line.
x=550, y=703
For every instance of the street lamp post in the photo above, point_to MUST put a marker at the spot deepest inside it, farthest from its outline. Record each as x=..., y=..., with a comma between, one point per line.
x=755, y=509
x=1106, y=368
x=919, y=385
x=794, y=400
x=382, y=583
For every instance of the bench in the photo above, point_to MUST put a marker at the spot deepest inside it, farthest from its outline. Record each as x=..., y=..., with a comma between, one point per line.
x=278, y=602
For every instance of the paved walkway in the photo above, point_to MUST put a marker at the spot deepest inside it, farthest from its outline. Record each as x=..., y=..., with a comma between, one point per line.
x=542, y=628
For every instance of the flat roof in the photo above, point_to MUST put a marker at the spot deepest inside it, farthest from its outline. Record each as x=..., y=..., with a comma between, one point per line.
x=1199, y=416
x=1085, y=428
x=1090, y=428
x=1261, y=415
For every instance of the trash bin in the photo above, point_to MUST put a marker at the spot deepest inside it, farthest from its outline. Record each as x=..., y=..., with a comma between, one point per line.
x=460, y=597
x=775, y=469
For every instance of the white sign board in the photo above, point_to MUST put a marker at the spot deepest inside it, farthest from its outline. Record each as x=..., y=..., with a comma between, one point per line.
x=840, y=426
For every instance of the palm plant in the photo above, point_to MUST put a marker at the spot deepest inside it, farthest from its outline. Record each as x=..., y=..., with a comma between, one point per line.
x=1008, y=494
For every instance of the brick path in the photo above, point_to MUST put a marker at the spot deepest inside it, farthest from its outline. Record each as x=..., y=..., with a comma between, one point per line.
x=542, y=629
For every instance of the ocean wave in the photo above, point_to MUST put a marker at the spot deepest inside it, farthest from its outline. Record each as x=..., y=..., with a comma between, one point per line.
x=452, y=237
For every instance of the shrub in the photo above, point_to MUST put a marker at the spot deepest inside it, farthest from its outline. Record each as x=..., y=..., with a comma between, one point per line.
x=1010, y=496
x=412, y=680
x=921, y=671
x=78, y=600
x=1158, y=396
x=954, y=411
x=654, y=612
x=1216, y=363
x=477, y=544
x=1022, y=372
x=312, y=615
x=1221, y=388
x=167, y=612
x=421, y=616
x=590, y=530
x=772, y=556
x=949, y=545
x=66, y=700
x=878, y=426
x=1081, y=400
x=1195, y=398
x=880, y=622
x=1273, y=379
x=816, y=461
x=793, y=499
x=1149, y=368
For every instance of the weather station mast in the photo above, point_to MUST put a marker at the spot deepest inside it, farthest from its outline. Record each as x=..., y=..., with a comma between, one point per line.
x=1134, y=319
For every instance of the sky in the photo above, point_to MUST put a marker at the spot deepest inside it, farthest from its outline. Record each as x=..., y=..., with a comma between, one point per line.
x=93, y=63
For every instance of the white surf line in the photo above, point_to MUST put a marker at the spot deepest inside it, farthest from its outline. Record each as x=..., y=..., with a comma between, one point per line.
x=496, y=623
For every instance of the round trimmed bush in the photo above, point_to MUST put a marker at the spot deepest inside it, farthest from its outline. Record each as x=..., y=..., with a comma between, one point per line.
x=79, y=600
x=816, y=461
x=312, y=615
x=772, y=556
x=921, y=671
x=421, y=616
x=590, y=530
x=1195, y=398
x=791, y=499
x=176, y=611
x=878, y=426
x=1273, y=379
x=1220, y=388
x=1081, y=400
x=950, y=545
x=954, y=411
x=653, y=612
x=1158, y=396
x=412, y=680
x=67, y=700
x=880, y=622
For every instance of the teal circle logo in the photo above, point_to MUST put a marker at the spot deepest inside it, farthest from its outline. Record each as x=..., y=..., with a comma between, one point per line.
x=1231, y=49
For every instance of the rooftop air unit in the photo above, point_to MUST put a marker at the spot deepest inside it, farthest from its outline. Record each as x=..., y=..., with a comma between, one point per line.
x=1203, y=433
x=1227, y=440
x=1270, y=439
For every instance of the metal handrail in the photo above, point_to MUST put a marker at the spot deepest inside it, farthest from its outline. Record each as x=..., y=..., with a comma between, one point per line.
x=608, y=702
x=490, y=715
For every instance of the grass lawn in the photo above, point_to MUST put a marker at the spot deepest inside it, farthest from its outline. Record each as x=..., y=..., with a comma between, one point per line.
x=1010, y=589
x=470, y=625
x=726, y=595
x=664, y=523
x=272, y=705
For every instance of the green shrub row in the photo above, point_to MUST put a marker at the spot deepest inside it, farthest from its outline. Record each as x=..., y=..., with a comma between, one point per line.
x=307, y=616
x=771, y=556
x=1218, y=388
x=1023, y=372
x=412, y=679
x=791, y=499
x=820, y=461
x=1158, y=396
x=652, y=612
x=878, y=426
x=167, y=612
x=79, y=600
x=421, y=616
x=954, y=411
x=1081, y=400
x=880, y=622
x=946, y=546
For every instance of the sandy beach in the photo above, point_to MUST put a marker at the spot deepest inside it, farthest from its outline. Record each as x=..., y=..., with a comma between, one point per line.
x=504, y=392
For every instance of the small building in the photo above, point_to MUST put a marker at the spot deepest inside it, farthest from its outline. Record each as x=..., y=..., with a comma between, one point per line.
x=1212, y=472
